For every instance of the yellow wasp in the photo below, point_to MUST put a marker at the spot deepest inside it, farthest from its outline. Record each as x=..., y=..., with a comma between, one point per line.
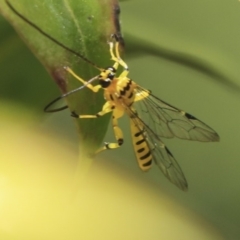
x=122, y=95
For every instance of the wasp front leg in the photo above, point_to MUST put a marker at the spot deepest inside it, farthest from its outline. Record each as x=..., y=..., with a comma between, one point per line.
x=88, y=85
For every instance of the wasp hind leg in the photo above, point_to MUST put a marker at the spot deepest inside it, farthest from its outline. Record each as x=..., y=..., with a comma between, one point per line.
x=108, y=107
x=117, y=132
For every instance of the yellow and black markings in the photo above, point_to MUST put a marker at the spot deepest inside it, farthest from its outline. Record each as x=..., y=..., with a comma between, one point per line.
x=156, y=119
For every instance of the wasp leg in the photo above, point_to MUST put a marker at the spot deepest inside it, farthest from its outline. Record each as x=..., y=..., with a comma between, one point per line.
x=107, y=107
x=90, y=86
x=141, y=95
x=117, y=132
x=117, y=58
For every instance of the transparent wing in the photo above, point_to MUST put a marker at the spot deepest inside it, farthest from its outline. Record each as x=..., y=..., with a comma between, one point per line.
x=164, y=159
x=160, y=154
x=168, y=121
x=160, y=119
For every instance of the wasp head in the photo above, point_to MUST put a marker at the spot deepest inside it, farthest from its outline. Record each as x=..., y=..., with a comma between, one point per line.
x=106, y=76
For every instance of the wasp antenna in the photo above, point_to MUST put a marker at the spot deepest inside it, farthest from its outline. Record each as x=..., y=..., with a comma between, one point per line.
x=46, y=109
x=49, y=36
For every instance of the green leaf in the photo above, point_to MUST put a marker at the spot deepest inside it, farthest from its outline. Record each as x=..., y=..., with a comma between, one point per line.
x=84, y=27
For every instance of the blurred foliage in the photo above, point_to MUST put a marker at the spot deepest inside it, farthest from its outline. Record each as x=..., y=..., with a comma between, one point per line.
x=140, y=47
x=166, y=42
x=38, y=199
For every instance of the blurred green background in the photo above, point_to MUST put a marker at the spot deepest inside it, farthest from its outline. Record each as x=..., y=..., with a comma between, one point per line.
x=187, y=53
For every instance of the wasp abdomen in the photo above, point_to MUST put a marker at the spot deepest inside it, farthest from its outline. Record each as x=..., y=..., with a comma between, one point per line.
x=141, y=147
